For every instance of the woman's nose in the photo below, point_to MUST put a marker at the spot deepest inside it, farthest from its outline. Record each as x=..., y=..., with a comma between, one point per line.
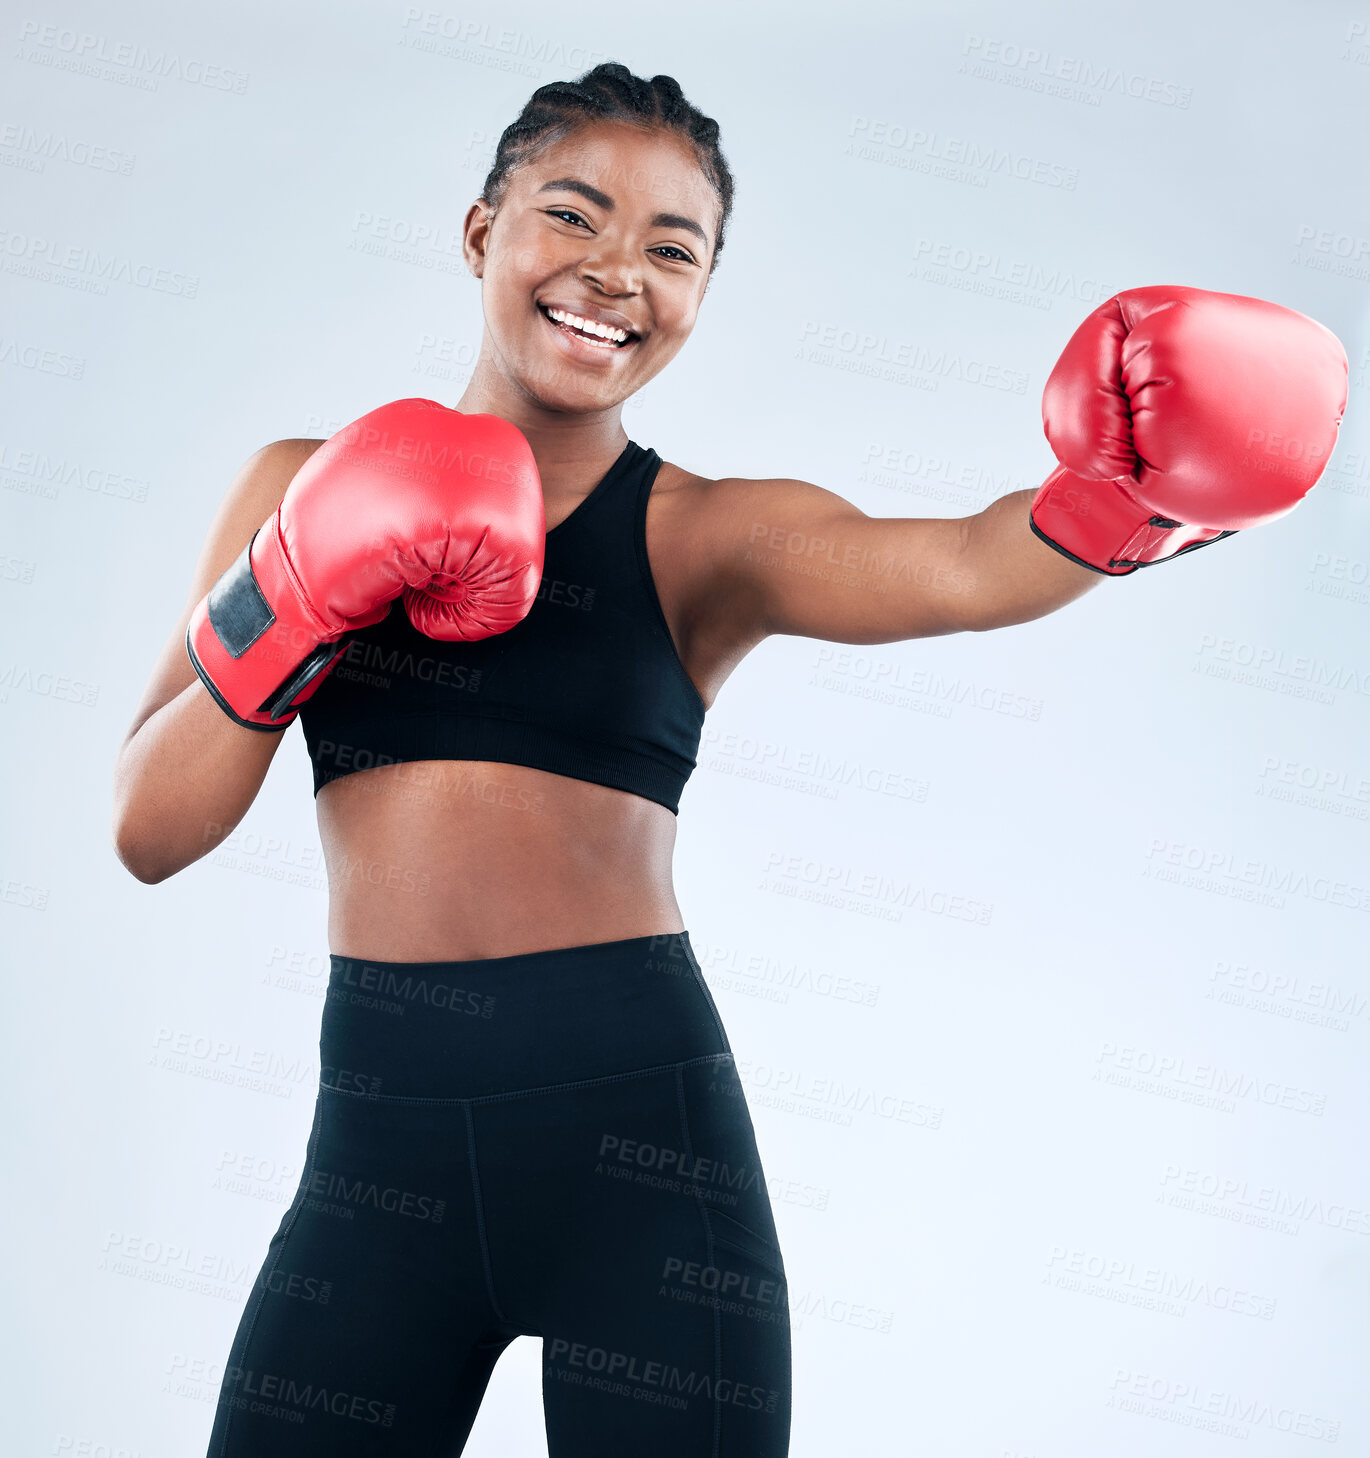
x=612, y=268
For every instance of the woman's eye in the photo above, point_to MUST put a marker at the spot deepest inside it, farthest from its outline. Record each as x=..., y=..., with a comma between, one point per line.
x=666, y=250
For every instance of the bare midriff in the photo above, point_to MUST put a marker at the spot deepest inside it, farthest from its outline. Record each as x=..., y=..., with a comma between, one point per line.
x=453, y=860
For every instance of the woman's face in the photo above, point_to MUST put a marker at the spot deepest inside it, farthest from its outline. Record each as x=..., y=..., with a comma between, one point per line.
x=614, y=227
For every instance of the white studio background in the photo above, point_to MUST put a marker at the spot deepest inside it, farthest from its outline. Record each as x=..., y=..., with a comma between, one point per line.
x=1042, y=950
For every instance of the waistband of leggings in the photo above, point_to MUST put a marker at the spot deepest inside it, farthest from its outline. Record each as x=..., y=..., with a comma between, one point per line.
x=492, y=1025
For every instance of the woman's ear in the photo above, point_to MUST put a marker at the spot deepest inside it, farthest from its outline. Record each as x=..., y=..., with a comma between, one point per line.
x=475, y=235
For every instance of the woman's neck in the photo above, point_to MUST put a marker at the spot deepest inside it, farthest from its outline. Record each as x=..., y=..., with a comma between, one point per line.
x=572, y=451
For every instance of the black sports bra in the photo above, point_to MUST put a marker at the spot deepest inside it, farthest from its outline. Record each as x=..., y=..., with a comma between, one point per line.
x=588, y=685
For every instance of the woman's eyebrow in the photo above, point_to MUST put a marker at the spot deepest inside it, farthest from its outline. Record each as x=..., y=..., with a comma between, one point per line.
x=675, y=220
x=603, y=200
x=572, y=184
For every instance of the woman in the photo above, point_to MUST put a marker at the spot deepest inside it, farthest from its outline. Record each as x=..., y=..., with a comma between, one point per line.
x=529, y=1121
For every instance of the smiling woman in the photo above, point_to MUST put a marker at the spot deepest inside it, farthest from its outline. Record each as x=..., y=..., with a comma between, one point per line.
x=529, y=1120
x=609, y=226
x=504, y=625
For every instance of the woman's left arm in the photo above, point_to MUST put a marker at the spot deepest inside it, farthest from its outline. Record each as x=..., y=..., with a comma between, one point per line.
x=1179, y=416
x=808, y=562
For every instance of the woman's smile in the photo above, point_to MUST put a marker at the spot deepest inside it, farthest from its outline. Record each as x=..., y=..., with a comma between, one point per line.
x=588, y=334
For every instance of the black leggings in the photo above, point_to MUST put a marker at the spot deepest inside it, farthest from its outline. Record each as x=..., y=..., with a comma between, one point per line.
x=553, y=1144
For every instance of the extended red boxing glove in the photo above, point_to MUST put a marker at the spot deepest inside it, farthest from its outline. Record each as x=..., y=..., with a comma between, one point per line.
x=412, y=498
x=1181, y=416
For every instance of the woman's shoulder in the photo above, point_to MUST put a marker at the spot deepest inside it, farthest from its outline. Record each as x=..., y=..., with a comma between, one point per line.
x=693, y=489
x=256, y=491
x=689, y=499
x=722, y=500
x=712, y=521
x=285, y=457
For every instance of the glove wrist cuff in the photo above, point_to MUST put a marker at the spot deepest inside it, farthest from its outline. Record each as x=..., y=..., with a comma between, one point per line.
x=254, y=641
x=1101, y=525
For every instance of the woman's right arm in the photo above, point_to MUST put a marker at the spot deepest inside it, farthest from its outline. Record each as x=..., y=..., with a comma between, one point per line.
x=186, y=773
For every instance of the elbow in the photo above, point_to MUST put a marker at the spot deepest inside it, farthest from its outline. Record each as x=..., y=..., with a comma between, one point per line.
x=134, y=833
x=136, y=860
x=141, y=853
x=994, y=616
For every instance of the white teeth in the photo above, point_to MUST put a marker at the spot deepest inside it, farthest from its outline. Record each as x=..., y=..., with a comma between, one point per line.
x=588, y=326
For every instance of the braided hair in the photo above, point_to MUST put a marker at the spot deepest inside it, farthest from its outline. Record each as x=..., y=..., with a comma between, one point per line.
x=610, y=92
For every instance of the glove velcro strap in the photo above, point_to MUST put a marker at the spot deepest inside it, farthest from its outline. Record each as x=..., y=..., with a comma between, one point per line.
x=1157, y=538
x=308, y=675
x=1102, y=526
x=238, y=610
x=254, y=641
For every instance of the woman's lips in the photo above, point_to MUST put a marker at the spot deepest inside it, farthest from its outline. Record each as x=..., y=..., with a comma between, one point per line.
x=586, y=344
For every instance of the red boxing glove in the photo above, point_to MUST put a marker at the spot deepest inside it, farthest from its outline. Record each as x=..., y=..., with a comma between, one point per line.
x=1181, y=416
x=413, y=498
